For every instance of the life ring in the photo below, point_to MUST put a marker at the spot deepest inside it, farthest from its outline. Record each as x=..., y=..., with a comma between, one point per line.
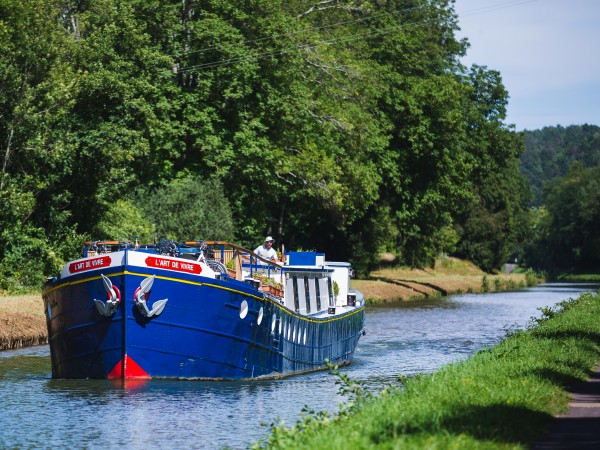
x=117, y=292
x=135, y=296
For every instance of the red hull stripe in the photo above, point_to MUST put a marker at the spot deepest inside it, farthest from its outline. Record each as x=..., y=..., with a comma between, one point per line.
x=132, y=369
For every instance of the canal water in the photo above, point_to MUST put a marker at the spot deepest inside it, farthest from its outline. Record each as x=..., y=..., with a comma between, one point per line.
x=420, y=337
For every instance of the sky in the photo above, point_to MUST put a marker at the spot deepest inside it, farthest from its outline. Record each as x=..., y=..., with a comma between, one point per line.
x=547, y=51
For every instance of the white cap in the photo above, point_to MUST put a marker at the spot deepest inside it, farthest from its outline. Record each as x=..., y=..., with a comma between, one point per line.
x=269, y=238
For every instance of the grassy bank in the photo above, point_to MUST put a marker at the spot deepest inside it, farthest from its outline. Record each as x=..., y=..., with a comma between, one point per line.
x=22, y=321
x=504, y=397
x=579, y=278
x=448, y=276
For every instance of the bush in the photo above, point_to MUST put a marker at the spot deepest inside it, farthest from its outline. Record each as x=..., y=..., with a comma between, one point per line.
x=124, y=220
x=189, y=208
x=27, y=259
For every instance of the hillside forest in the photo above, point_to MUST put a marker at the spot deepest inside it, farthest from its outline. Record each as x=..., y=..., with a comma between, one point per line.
x=347, y=126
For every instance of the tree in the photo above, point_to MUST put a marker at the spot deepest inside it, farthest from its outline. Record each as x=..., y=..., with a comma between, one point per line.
x=551, y=150
x=573, y=204
x=189, y=208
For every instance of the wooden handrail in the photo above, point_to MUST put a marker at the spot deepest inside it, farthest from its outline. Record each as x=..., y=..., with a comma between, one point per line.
x=237, y=247
x=192, y=243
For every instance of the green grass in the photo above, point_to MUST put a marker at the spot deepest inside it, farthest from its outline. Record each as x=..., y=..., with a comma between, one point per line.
x=579, y=277
x=503, y=397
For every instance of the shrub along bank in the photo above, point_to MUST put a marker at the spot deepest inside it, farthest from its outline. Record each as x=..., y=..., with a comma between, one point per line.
x=502, y=397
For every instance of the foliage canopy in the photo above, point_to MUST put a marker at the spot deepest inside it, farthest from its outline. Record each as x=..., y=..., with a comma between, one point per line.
x=345, y=125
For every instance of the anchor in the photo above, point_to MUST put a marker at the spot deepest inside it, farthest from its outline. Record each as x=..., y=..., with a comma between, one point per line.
x=114, y=298
x=140, y=299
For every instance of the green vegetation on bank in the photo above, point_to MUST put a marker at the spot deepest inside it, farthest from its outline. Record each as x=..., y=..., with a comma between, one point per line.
x=579, y=278
x=502, y=397
x=347, y=126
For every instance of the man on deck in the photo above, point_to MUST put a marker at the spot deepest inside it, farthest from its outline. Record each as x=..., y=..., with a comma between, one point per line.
x=266, y=250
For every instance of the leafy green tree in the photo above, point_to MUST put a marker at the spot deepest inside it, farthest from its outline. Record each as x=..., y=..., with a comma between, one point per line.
x=551, y=150
x=36, y=81
x=349, y=126
x=493, y=223
x=573, y=204
x=189, y=208
x=124, y=220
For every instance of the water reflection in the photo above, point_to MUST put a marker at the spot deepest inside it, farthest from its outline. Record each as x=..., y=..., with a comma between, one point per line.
x=401, y=339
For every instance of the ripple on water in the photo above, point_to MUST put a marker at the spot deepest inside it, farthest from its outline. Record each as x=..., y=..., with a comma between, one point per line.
x=401, y=339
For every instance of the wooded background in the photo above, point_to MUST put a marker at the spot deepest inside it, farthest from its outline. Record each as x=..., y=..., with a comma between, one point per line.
x=350, y=127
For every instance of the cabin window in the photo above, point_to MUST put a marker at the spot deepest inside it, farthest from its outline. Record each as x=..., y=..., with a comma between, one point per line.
x=330, y=286
x=307, y=294
x=296, y=298
x=318, y=293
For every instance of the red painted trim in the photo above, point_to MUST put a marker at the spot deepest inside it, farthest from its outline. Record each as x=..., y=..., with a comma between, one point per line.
x=89, y=264
x=172, y=264
x=132, y=369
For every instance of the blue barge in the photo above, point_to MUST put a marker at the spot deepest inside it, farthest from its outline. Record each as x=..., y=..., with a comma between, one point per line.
x=199, y=310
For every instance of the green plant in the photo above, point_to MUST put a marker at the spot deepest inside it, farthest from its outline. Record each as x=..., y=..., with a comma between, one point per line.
x=530, y=277
x=497, y=284
x=485, y=284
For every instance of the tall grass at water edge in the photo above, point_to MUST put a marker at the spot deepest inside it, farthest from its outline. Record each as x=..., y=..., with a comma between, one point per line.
x=508, y=284
x=579, y=278
x=22, y=321
x=501, y=397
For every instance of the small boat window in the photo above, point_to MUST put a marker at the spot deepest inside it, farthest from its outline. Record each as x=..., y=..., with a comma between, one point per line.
x=243, y=309
x=273, y=323
x=260, y=315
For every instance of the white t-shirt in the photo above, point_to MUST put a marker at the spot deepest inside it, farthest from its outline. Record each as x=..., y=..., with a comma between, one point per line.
x=267, y=253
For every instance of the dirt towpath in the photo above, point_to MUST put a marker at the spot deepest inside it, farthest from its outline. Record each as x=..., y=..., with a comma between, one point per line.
x=579, y=428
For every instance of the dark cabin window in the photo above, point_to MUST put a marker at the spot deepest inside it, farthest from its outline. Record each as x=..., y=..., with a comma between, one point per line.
x=296, y=298
x=307, y=294
x=318, y=293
